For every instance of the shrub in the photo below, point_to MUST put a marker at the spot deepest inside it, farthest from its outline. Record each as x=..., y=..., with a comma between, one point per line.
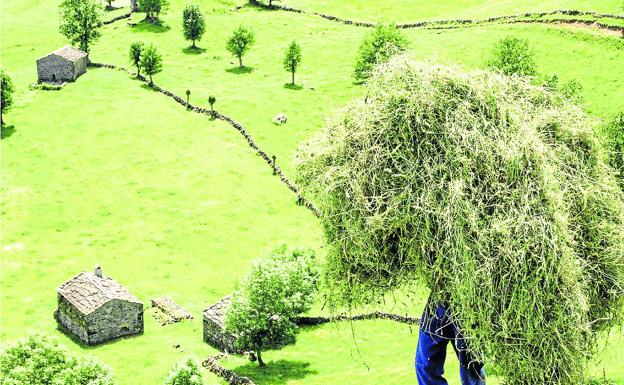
x=614, y=135
x=41, y=361
x=185, y=374
x=512, y=56
x=7, y=89
x=494, y=193
x=378, y=47
x=276, y=290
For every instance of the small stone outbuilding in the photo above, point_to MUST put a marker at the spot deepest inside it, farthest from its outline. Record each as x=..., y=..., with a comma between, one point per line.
x=63, y=65
x=97, y=309
x=214, y=327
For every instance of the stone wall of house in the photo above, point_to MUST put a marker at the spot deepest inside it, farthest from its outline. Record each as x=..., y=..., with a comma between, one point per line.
x=55, y=69
x=71, y=320
x=216, y=336
x=115, y=319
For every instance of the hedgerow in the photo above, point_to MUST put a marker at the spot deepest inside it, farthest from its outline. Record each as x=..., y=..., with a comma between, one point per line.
x=493, y=192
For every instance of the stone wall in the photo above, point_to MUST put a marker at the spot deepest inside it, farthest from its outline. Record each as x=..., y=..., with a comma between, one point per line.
x=71, y=320
x=55, y=69
x=213, y=365
x=216, y=336
x=116, y=318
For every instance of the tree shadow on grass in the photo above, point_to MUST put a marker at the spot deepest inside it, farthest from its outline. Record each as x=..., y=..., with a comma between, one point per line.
x=148, y=87
x=7, y=131
x=279, y=372
x=146, y=26
x=240, y=70
x=193, y=51
x=290, y=86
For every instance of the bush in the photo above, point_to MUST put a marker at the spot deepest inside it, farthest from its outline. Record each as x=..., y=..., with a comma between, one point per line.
x=276, y=290
x=493, y=192
x=41, y=361
x=512, y=56
x=378, y=47
x=614, y=135
x=7, y=89
x=185, y=374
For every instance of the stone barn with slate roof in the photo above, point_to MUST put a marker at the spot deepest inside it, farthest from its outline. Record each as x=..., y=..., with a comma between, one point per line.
x=63, y=65
x=214, y=327
x=97, y=309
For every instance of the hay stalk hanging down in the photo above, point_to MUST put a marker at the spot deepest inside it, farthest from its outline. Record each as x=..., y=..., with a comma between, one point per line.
x=491, y=191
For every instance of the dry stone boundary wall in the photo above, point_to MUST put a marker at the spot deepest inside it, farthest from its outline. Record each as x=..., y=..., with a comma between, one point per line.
x=217, y=115
x=457, y=23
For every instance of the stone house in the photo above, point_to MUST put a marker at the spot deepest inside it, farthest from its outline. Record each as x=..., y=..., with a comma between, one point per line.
x=214, y=327
x=97, y=309
x=63, y=65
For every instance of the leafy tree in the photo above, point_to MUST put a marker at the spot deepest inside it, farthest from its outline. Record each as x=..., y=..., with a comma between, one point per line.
x=153, y=9
x=212, y=100
x=240, y=43
x=40, y=361
x=7, y=94
x=193, y=22
x=136, y=51
x=276, y=290
x=151, y=62
x=292, y=59
x=109, y=4
x=80, y=22
x=185, y=374
x=512, y=56
x=188, y=97
x=378, y=47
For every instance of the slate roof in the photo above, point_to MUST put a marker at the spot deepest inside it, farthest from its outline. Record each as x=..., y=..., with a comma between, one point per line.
x=68, y=52
x=88, y=292
x=216, y=312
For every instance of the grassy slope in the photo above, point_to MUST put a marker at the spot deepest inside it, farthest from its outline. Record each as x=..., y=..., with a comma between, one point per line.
x=169, y=191
x=410, y=10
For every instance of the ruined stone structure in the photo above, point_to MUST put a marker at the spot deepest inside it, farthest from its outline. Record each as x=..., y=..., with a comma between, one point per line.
x=63, y=65
x=97, y=309
x=166, y=311
x=214, y=327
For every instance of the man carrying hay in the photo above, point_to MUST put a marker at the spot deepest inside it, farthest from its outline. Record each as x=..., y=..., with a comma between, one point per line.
x=493, y=193
x=437, y=329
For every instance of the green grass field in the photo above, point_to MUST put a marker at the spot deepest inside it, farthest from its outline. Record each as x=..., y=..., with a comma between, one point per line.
x=172, y=203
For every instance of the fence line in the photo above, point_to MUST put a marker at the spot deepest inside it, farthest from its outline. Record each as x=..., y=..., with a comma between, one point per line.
x=217, y=115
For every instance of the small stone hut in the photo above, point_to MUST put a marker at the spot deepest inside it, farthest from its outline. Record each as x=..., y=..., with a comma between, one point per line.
x=214, y=327
x=97, y=309
x=63, y=65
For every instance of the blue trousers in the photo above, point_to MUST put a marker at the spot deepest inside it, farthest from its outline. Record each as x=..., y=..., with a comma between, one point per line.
x=436, y=331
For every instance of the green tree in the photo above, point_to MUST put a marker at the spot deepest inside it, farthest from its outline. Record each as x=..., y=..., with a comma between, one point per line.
x=151, y=62
x=512, y=56
x=292, y=59
x=136, y=51
x=378, y=47
x=193, y=22
x=41, y=361
x=240, y=43
x=185, y=374
x=188, y=97
x=276, y=290
x=153, y=9
x=109, y=4
x=80, y=22
x=6, y=85
x=212, y=100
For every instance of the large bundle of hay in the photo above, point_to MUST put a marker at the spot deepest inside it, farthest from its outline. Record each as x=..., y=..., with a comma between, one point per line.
x=493, y=192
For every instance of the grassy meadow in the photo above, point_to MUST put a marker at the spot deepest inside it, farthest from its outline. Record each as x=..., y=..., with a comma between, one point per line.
x=107, y=171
